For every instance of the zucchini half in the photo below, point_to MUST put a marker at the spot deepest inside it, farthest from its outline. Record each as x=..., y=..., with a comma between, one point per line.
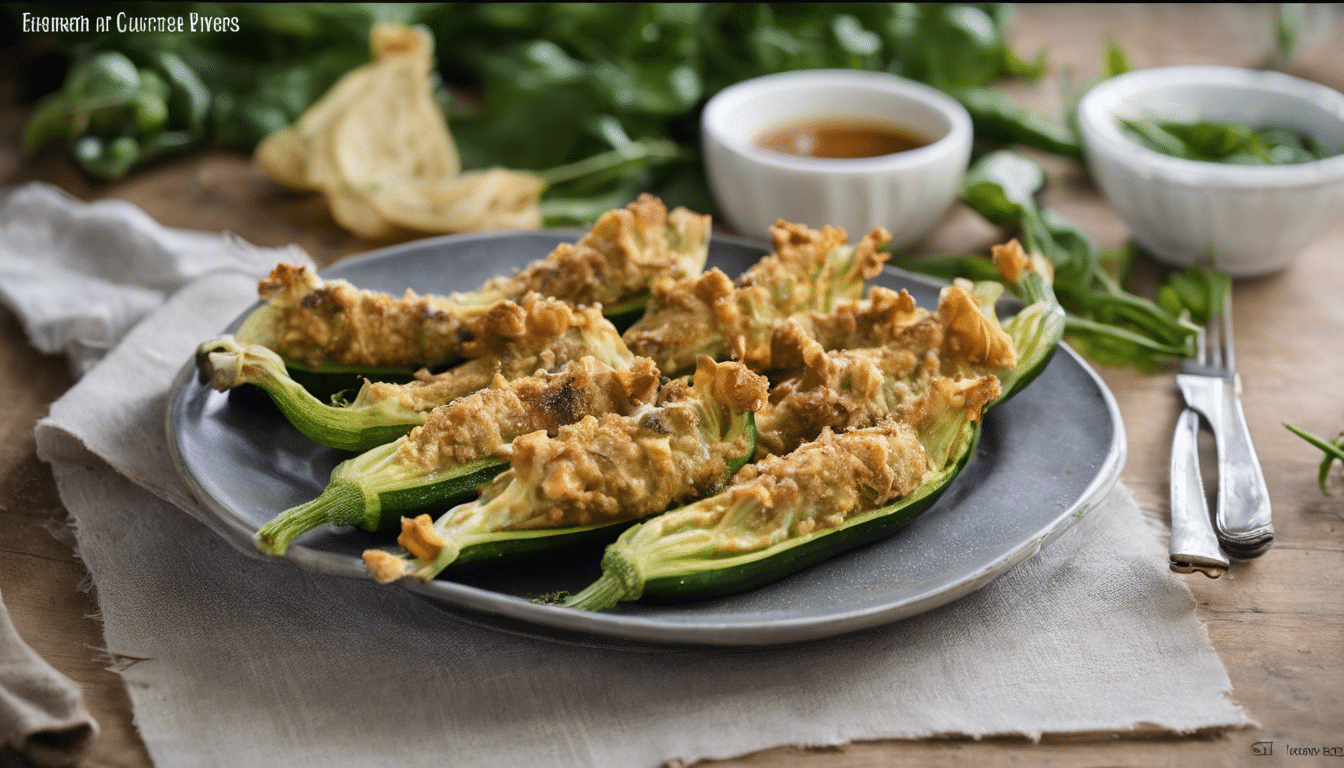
x=502, y=548
x=677, y=568
x=475, y=534
x=369, y=492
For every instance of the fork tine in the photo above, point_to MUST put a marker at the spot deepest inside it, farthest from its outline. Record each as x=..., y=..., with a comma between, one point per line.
x=1213, y=339
x=1229, y=363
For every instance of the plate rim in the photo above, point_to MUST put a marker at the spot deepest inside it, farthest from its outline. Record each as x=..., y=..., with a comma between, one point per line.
x=483, y=605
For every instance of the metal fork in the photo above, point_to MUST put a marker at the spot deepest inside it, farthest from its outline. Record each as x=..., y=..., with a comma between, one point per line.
x=1211, y=387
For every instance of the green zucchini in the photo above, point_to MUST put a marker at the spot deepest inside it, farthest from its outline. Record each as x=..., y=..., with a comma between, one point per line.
x=699, y=578
x=553, y=335
x=328, y=383
x=322, y=324
x=429, y=471
x=1036, y=330
x=594, y=474
x=509, y=547
x=367, y=492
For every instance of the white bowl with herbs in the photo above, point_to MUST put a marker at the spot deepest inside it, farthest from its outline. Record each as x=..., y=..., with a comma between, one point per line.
x=849, y=148
x=1240, y=168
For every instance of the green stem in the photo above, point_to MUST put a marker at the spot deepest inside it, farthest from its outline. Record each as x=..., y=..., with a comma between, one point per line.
x=639, y=150
x=1332, y=452
x=1082, y=326
x=341, y=503
x=607, y=591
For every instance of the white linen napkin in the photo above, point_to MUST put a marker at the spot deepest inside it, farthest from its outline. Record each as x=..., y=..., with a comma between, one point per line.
x=42, y=712
x=246, y=661
x=80, y=275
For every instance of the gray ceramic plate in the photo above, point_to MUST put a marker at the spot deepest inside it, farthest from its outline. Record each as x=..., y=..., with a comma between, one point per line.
x=1044, y=459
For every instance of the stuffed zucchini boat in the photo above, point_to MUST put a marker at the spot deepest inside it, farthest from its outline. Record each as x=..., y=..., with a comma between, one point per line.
x=601, y=472
x=332, y=327
x=538, y=334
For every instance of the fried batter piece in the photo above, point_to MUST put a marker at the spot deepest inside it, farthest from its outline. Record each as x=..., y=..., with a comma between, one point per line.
x=546, y=335
x=821, y=485
x=616, y=261
x=315, y=322
x=842, y=389
x=322, y=323
x=839, y=389
x=483, y=423
x=972, y=337
x=710, y=314
x=611, y=467
x=885, y=318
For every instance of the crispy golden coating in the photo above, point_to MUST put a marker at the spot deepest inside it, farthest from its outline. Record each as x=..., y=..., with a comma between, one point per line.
x=969, y=337
x=826, y=380
x=321, y=323
x=616, y=260
x=1012, y=260
x=316, y=322
x=481, y=424
x=419, y=537
x=839, y=389
x=885, y=318
x=611, y=467
x=710, y=314
x=546, y=335
x=384, y=566
x=822, y=484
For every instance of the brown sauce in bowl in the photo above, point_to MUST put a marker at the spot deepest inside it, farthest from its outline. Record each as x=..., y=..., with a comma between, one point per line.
x=838, y=138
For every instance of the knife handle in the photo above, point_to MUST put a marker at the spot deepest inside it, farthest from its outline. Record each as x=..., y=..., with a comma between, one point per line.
x=1194, y=547
x=1243, y=522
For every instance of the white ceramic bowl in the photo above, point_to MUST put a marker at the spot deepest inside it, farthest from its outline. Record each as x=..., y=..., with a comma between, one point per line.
x=906, y=192
x=1252, y=220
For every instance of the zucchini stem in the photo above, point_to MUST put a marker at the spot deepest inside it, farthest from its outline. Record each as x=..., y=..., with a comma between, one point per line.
x=606, y=592
x=365, y=424
x=341, y=503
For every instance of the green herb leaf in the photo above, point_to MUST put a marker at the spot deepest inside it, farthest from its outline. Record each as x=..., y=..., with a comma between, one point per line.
x=1223, y=142
x=1333, y=451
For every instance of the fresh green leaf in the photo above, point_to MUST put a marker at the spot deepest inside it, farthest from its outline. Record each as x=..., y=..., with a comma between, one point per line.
x=1198, y=290
x=1223, y=142
x=1111, y=325
x=1334, y=451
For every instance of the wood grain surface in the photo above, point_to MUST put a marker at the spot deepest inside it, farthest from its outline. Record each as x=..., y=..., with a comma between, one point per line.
x=1277, y=622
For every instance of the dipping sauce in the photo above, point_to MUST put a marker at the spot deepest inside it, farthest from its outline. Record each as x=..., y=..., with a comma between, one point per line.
x=840, y=138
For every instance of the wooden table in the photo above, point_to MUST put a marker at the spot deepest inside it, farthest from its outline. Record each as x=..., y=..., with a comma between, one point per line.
x=1277, y=623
